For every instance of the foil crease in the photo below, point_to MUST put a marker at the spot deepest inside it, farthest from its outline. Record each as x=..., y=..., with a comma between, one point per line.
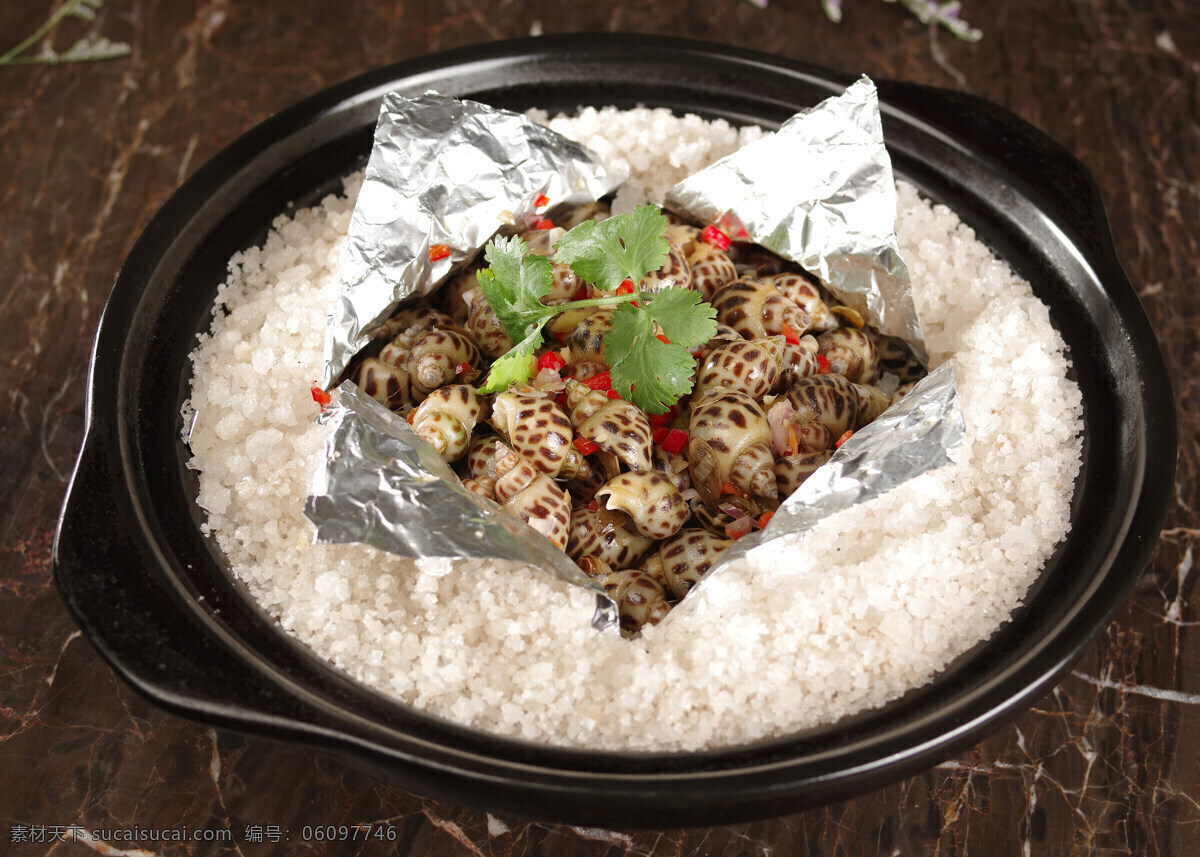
x=383, y=486
x=919, y=433
x=819, y=191
x=443, y=171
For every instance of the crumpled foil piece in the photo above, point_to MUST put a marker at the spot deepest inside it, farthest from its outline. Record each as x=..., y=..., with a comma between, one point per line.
x=917, y=434
x=819, y=191
x=443, y=171
x=383, y=486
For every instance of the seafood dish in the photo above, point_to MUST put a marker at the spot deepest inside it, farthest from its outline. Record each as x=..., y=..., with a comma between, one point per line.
x=869, y=604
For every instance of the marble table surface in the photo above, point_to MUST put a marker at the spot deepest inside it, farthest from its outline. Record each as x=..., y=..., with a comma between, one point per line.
x=1106, y=763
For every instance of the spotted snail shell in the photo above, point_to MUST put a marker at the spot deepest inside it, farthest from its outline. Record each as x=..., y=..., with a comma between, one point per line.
x=483, y=324
x=442, y=356
x=653, y=503
x=621, y=429
x=748, y=366
x=681, y=560
x=389, y=385
x=609, y=535
x=730, y=443
x=756, y=309
x=850, y=353
x=533, y=497
x=447, y=417
x=535, y=427
x=801, y=290
x=792, y=470
x=674, y=273
x=641, y=600
x=711, y=267
x=827, y=400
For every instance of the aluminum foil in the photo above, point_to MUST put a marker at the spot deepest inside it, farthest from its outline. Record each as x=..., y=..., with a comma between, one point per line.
x=917, y=434
x=383, y=486
x=819, y=191
x=443, y=171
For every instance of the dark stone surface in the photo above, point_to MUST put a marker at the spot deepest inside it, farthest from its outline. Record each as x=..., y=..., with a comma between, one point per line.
x=1107, y=763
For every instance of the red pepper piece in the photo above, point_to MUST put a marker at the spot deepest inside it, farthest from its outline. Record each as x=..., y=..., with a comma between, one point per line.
x=714, y=236
x=657, y=420
x=585, y=446
x=320, y=396
x=551, y=360
x=593, y=505
x=659, y=434
x=613, y=394
x=845, y=437
x=729, y=488
x=675, y=441
x=764, y=519
x=438, y=251
x=544, y=223
x=790, y=334
x=541, y=201
x=603, y=381
x=662, y=338
x=626, y=287
x=822, y=364
x=461, y=367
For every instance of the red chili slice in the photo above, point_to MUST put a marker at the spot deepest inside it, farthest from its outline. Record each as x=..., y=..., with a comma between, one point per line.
x=659, y=434
x=544, y=224
x=541, y=201
x=603, y=381
x=551, y=360
x=845, y=437
x=438, y=251
x=675, y=441
x=764, y=519
x=320, y=396
x=714, y=236
x=461, y=367
x=822, y=364
x=585, y=446
x=790, y=334
x=662, y=338
x=613, y=394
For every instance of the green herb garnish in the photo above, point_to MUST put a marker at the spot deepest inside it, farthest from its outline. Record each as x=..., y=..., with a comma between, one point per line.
x=645, y=369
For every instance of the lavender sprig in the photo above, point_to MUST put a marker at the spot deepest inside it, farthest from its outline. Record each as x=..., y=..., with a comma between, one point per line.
x=926, y=11
x=87, y=49
x=943, y=14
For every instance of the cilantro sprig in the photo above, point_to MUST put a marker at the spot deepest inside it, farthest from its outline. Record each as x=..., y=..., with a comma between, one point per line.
x=646, y=369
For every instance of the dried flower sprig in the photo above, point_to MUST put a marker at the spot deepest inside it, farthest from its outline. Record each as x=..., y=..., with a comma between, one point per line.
x=942, y=14
x=87, y=49
x=926, y=11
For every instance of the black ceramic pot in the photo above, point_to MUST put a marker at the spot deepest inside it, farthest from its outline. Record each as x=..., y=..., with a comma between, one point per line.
x=153, y=594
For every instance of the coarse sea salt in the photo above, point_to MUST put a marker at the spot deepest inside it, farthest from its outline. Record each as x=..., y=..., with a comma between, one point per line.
x=872, y=602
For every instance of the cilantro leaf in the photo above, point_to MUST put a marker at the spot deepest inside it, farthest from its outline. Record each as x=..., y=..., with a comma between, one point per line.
x=606, y=252
x=645, y=370
x=684, y=316
x=514, y=285
x=515, y=366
